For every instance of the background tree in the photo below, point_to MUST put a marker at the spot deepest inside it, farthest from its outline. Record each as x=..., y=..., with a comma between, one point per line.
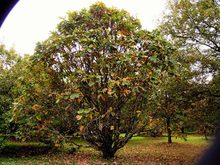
x=204, y=113
x=195, y=24
x=36, y=111
x=172, y=98
x=109, y=67
x=194, y=28
x=8, y=59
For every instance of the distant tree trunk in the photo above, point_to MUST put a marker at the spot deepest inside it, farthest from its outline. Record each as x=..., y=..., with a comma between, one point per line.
x=182, y=130
x=184, y=136
x=169, y=131
x=205, y=133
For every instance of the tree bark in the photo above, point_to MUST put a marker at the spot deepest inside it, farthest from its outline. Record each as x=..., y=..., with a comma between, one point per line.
x=169, y=131
x=108, y=153
x=107, y=148
x=182, y=130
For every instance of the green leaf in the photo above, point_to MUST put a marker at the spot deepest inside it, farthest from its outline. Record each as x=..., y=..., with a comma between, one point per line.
x=153, y=59
x=75, y=95
x=91, y=84
x=84, y=111
x=38, y=117
x=66, y=97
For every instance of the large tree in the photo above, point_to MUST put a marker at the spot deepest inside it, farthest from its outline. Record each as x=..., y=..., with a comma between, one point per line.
x=109, y=66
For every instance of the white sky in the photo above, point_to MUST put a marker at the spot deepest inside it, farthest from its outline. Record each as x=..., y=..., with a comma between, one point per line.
x=31, y=21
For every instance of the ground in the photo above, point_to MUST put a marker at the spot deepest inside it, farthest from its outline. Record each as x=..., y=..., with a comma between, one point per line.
x=139, y=151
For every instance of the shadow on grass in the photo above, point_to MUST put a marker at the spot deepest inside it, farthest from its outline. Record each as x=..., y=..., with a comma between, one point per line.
x=24, y=150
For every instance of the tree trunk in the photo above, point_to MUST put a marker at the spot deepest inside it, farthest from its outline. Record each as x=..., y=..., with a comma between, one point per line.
x=107, y=149
x=169, y=131
x=182, y=130
x=183, y=133
x=108, y=153
x=205, y=134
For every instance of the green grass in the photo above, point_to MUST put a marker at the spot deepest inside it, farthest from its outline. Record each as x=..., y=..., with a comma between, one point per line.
x=24, y=144
x=196, y=139
x=191, y=139
x=139, y=150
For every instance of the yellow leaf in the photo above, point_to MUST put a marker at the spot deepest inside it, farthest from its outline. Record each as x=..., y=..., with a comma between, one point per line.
x=100, y=126
x=125, y=92
x=110, y=109
x=126, y=78
x=112, y=127
x=133, y=57
x=36, y=107
x=78, y=117
x=57, y=145
x=109, y=91
x=81, y=128
x=123, y=32
x=90, y=116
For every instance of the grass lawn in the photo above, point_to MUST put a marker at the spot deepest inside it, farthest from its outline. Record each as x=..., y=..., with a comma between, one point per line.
x=140, y=150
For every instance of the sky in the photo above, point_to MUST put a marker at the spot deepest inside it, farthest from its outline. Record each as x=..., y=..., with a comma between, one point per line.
x=31, y=21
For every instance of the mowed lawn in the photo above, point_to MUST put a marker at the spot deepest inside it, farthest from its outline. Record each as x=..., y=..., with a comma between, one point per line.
x=139, y=151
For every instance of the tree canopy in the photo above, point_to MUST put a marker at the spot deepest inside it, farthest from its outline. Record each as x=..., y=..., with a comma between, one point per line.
x=195, y=23
x=107, y=66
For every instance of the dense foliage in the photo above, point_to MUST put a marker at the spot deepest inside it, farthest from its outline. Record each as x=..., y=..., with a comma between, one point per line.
x=35, y=109
x=108, y=67
x=8, y=60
